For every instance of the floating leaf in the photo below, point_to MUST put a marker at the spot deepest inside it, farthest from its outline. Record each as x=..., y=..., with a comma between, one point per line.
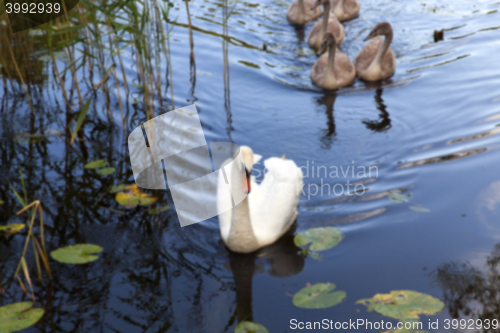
x=250, y=327
x=146, y=199
x=106, y=171
x=96, y=164
x=1, y=202
x=318, y=296
x=403, y=305
x=158, y=210
x=11, y=229
x=128, y=200
x=420, y=209
x=117, y=188
x=133, y=196
x=81, y=118
x=18, y=316
x=399, y=198
x=77, y=254
x=319, y=238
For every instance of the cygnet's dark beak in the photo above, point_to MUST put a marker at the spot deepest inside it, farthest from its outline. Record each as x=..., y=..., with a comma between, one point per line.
x=370, y=36
x=322, y=49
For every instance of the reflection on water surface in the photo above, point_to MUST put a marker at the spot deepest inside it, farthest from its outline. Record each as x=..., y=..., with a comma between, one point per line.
x=431, y=130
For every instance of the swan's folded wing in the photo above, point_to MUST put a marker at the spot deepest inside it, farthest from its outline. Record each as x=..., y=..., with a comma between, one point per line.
x=273, y=204
x=368, y=53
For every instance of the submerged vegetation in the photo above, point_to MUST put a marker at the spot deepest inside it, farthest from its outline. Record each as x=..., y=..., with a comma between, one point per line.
x=56, y=78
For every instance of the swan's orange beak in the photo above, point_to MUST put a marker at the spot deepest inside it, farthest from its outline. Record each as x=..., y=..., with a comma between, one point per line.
x=246, y=181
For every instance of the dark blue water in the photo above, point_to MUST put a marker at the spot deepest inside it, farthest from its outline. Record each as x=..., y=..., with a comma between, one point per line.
x=430, y=132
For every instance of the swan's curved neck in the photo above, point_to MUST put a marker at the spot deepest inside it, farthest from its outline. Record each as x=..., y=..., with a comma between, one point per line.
x=326, y=17
x=241, y=236
x=381, y=51
x=301, y=13
x=330, y=67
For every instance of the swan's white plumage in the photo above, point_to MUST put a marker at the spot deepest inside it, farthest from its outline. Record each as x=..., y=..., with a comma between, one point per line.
x=272, y=203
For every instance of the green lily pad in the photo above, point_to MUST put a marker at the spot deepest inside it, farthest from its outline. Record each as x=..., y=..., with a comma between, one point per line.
x=11, y=229
x=18, y=316
x=158, y=210
x=399, y=198
x=106, y=171
x=318, y=296
x=404, y=305
x=250, y=327
x=77, y=254
x=319, y=238
x=420, y=209
x=117, y=188
x=96, y=164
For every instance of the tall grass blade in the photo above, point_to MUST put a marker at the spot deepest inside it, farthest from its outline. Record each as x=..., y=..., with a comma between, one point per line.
x=81, y=118
x=27, y=275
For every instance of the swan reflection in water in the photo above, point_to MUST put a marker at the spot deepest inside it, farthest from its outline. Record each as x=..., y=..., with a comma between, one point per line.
x=329, y=133
x=384, y=122
x=283, y=259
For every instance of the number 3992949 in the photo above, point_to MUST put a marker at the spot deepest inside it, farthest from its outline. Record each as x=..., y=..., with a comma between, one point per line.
x=32, y=8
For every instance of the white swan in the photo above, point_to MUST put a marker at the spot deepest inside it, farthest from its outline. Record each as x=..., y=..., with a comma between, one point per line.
x=270, y=208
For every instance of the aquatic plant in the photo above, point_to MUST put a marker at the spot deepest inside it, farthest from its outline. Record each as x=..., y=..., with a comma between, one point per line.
x=77, y=254
x=319, y=239
x=318, y=296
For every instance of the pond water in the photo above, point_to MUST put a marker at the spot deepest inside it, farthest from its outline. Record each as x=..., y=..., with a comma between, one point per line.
x=430, y=133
